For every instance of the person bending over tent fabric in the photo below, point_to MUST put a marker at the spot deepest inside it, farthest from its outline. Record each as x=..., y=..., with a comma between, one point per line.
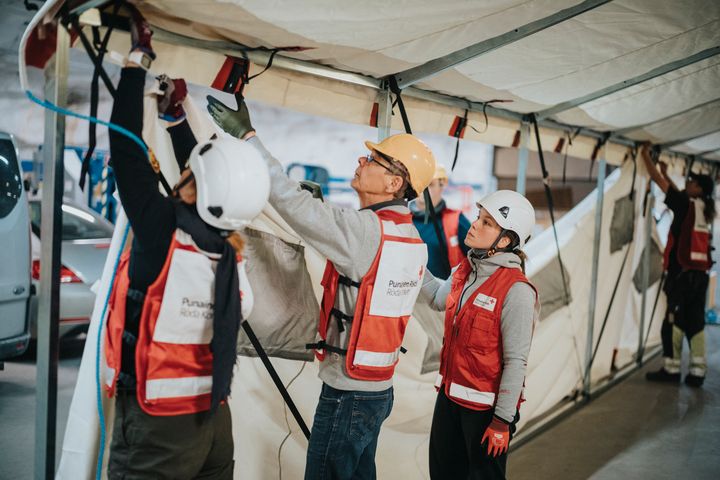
x=490, y=312
x=686, y=263
x=453, y=228
x=175, y=306
x=376, y=261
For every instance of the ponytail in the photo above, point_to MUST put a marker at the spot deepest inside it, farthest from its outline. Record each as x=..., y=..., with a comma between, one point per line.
x=236, y=241
x=514, y=247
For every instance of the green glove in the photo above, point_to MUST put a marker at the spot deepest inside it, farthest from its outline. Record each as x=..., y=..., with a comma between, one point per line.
x=235, y=122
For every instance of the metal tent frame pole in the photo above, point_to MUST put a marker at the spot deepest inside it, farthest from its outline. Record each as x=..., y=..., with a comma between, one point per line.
x=431, y=68
x=654, y=73
x=688, y=139
x=635, y=128
x=645, y=277
x=50, y=227
x=384, y=119
x=523, y=157
x=599, y=203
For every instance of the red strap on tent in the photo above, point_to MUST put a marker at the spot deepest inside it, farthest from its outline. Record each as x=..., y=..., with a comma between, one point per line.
x=232, y=76
x=41, y=45
x=374, y=114
x=559, y=145
x=516, y=139
x=457, y=129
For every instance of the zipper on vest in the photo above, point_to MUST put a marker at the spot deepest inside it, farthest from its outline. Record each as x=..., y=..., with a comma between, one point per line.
x=455, y=330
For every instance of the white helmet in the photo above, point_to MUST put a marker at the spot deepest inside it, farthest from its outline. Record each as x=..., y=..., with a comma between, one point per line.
x=512, y=211
x=233, y=183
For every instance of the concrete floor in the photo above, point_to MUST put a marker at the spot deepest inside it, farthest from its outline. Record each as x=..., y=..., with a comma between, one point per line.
x=637, y=430
x=17, y=409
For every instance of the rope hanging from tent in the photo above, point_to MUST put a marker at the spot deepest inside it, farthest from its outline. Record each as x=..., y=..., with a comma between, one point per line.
x=98, y=72
x=652, y=314
x=429, y=207
x=551, y=207
x=607, y=311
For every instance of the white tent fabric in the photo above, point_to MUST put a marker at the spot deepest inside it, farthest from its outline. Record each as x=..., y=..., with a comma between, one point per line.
x=604, y=46
x=260, y=422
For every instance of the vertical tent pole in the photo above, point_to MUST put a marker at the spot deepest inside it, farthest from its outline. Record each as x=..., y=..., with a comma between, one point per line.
x=50, y=227
x=600, y=189
x=645, y=276
x=384, y=120
x=523, y=157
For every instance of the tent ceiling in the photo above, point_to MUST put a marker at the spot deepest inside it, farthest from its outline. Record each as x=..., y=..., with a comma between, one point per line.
x=606, y=45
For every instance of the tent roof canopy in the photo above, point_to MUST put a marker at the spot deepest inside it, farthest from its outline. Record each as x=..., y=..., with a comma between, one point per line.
x=637, y=70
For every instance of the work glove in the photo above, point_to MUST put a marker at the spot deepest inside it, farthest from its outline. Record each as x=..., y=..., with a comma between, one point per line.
x=234, y=122
x=498, y=436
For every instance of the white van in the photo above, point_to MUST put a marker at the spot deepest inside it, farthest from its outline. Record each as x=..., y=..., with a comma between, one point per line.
x=14, y=253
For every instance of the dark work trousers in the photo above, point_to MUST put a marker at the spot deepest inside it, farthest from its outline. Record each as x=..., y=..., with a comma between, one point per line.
x=455, y=443
x=194, y=446
x=686, y=298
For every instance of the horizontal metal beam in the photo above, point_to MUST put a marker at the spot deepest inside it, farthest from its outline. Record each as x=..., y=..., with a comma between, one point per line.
x=655, y=72
x=623, y=131
x=431, y=68
x=689, y=139
x=260, y=57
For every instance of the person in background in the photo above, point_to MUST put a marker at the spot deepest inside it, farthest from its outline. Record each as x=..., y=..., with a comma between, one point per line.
x=454, y=226
x=175, y=306
x=687, y=261
x=490, y=312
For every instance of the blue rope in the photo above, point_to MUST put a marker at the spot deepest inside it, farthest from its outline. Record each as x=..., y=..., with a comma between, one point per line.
x=98, y=383
x=70, y=113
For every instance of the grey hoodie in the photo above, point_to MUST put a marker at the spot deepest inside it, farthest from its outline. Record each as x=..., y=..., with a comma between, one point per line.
x=519, y=313
x=350, y=239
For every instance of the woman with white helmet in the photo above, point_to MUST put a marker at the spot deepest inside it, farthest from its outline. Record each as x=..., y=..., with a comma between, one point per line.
x=175, y=308
x=490, y=310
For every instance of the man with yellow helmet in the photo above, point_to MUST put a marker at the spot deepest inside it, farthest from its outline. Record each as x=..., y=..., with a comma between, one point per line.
x=376, y=263
x=453, y=225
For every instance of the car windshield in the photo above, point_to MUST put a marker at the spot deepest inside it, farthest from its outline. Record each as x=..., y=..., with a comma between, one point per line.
x=77, y=224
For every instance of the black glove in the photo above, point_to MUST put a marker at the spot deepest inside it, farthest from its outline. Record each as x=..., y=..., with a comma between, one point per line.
x=235, y=122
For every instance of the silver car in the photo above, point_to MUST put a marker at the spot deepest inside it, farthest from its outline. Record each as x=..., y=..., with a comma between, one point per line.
x=85, y=241
x=14, y=254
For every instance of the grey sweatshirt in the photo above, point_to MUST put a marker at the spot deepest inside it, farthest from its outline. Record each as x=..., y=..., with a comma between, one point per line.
x=350, y=239
x=519, y=313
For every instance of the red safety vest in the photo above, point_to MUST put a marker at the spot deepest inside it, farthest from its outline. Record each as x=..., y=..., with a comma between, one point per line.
x=173, y=361
x=694, y=242
x=385, y=300
x=450, y=223
x=472, y=356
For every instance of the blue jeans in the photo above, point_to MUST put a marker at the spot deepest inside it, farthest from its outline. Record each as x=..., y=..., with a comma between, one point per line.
x=345, y=433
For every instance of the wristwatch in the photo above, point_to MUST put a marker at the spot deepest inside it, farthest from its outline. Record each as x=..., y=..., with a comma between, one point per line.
x=140, y=58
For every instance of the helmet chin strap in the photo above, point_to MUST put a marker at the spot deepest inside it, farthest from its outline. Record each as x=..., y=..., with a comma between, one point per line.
x=485, y=253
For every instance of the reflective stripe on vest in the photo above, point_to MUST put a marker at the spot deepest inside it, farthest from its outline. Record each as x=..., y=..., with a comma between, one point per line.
x=172, y=355
x=451, y=224
x=468, y=394
x=471, y=356
x=385, y=300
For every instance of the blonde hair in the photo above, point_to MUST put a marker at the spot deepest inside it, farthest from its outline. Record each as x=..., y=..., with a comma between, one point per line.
x=236, y=241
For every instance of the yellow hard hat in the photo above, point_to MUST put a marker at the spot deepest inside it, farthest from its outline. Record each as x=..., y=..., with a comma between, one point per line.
x=440, y=172
x=412, y=152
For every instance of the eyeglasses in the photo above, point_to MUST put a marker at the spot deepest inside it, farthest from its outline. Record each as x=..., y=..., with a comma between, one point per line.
x=369, y=158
